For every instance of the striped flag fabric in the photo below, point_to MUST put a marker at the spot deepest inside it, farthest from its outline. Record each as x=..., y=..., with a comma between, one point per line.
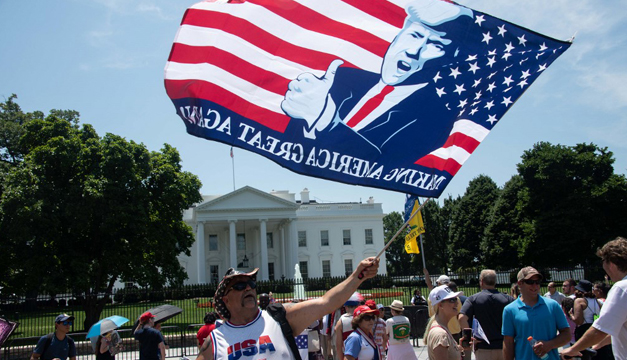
x=392, y=94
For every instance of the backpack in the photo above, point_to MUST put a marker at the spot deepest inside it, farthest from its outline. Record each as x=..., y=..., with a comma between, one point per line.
x=277, y=311
x=72, y=347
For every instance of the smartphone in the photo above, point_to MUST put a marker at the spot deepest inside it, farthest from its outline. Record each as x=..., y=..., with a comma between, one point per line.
x=466, y=335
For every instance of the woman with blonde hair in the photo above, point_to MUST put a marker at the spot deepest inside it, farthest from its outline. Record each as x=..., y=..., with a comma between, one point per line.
x=440, y=342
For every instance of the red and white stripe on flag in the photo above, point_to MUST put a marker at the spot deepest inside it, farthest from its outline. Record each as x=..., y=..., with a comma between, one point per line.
x=242, y=56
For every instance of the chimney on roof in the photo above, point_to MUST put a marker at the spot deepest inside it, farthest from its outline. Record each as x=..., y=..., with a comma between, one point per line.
x=371, y=200
x=304, y=196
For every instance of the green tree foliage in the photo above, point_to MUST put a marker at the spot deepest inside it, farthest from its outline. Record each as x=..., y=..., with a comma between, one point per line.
x=506, y=230
x=575, y=202
x=80, y=211
x=12, y=121
x=469, y=222
x=436, y=237
x=398, y=261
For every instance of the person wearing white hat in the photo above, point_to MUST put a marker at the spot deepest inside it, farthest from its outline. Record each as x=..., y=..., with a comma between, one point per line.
x=398, y=330
x=440, y=342
x=453, y=326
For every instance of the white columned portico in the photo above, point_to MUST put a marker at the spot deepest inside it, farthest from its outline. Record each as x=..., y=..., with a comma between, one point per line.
x=293, y=241
x=232, y=244
x=282, y=248
x=264, y=249
x=201, y=259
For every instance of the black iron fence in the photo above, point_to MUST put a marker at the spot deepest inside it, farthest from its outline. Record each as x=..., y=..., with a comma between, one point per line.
x=36, y=315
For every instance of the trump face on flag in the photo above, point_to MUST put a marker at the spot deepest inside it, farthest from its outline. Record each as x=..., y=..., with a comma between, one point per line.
x=374, y=114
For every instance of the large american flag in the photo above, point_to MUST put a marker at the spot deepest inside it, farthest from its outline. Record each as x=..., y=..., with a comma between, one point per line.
x=235, y=60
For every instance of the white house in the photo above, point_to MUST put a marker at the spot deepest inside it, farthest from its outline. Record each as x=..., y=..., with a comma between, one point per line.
x=327, y=239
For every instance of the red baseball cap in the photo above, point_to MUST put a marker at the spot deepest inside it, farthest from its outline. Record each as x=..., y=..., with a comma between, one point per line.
x=371, y=304
x=364, y=309
x=146, y=316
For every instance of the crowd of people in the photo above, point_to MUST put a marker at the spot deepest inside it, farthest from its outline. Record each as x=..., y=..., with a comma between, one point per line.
x=523, y=324
x=585, y=319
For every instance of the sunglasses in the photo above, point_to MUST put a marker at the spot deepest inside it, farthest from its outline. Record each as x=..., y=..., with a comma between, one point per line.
x=533, y=282
x=241, y=285
x=368, y=317
x=451, y=300
x=66, y=323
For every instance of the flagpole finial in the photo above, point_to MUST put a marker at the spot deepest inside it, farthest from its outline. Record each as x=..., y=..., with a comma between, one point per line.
x=572, y=39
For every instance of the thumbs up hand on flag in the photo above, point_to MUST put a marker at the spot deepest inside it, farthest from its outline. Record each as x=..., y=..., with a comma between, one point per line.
x=308, y=98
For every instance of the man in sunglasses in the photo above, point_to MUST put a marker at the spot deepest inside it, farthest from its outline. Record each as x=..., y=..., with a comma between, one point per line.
x=57, y=345
x=251, y=333
x=536, y=316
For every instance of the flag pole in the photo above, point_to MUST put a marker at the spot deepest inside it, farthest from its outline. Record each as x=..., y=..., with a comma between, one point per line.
x=422, y=252
x=233, y=166
x=401, y=229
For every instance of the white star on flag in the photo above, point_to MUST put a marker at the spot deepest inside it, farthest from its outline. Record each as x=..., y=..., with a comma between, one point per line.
x=437, y=77
x=522, y=41
x=455, y=73
x=487, y=38
x=479, y=19
x=502, y=30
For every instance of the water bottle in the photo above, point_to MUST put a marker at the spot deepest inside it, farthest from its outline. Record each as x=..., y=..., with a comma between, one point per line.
x=532, y=342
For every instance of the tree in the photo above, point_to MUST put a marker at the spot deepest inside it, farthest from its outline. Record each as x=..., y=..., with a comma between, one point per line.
x=395, y=256
x=506, y=230
x=436, y=237
x=576, y=203
x=469, y=222
x=80, y=211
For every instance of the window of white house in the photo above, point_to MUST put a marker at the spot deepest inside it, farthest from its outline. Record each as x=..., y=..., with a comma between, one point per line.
x=326, y=268
x=270, y=240
x=369, y=237
x=324, y=237
x=303, y=269
x=213, y=242
x=241, y=242
x=346, y=235
x=302, y=239
x=271, y=270
x=348, y=266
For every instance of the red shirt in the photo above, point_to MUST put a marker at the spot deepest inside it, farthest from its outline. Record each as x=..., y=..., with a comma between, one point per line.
x=203, y=332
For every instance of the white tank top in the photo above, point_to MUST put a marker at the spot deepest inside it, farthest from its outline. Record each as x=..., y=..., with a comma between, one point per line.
x=347, y=327
x=592, y=308
x=259, y=339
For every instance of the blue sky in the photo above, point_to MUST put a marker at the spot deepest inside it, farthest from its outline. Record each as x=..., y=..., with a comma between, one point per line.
x=105, y=59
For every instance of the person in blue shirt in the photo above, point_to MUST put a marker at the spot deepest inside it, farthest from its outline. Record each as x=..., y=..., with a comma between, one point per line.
x=57, y=345
x=535, y=316
x=151, y=343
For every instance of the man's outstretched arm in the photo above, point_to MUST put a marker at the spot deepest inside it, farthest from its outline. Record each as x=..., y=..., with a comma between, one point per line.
x=206, y=350
x=302, y=314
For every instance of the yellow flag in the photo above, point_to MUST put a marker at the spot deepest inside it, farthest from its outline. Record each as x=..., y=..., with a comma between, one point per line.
x=416, y=227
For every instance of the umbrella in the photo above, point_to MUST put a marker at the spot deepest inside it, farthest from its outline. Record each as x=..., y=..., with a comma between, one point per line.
x=105, y=325
x=162, y=313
